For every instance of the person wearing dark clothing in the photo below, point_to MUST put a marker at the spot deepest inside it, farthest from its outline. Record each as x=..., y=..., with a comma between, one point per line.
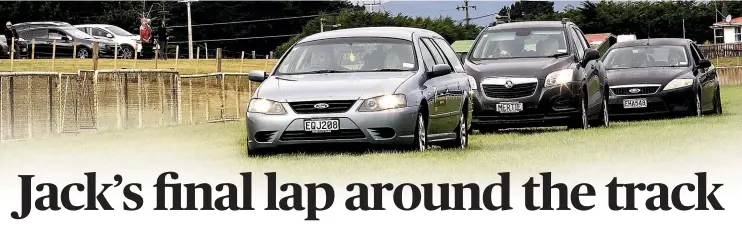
x=10, y=35
x=162, y=40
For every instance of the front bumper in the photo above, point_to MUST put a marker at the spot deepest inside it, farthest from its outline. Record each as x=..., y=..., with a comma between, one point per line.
x=553, y=106
x=662, y=102
x=389, y=127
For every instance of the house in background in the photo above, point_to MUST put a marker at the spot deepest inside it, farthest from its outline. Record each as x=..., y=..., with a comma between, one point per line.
x=601, y=41
x=728, y=32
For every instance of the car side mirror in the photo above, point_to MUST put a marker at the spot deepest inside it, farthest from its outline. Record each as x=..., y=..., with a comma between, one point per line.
x=257, y=75
x=704, y=63
x=65, y=38
x=109, y=36
x=590, y=54
x=439, y=70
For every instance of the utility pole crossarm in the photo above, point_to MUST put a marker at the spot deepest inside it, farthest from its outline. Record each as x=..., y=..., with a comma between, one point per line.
x=465, y=8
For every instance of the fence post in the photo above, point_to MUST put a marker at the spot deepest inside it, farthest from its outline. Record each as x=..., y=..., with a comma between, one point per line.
x=157, y=50
x=54, y=53
x=198, y=54
x=95, y=55
x=50, y=91
x=242, y=60
x=33, y=49
x=11, y=100
x=253, y=55
x=115, y=54
x=29, y=110
x=178, y=92
x=218, y=60
x=223, y=97
x=136, y=54
x=139, y=100
x=177, y=49
x=271, y=54
x=12, y=53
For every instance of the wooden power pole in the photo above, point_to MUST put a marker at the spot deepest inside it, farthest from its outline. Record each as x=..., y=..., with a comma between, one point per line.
x=465, y=8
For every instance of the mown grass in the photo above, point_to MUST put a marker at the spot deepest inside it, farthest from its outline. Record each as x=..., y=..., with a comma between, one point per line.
x=184, y=66
x=643, y=145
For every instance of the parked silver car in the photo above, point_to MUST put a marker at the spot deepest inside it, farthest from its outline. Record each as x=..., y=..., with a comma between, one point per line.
x=378, y=86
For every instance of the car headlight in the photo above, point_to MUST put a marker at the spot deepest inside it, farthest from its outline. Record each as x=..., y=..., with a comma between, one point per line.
x=383, y=103
x=264, y=106
x=472, y=83
x=678, y=83
x=560, y=77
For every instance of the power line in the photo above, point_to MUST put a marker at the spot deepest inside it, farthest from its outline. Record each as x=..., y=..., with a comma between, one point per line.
x=256, y=20
x=478, y=17
x=242, y=38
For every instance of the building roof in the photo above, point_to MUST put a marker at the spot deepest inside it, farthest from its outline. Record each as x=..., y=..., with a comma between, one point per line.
x=386, y=32
x=462, y=46
x=734, y=22
x=597, y=39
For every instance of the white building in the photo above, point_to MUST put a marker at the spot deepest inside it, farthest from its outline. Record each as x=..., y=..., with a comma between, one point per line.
x=728, y=32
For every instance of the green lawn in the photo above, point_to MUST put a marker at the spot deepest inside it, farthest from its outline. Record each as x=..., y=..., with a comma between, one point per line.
x=220, y=148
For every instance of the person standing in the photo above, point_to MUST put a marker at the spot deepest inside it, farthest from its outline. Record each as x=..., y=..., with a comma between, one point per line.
x=11, y=35
x=162, y=40
x=145, y=35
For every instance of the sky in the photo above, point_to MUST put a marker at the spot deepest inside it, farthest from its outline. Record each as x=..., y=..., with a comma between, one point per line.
x=448, y=8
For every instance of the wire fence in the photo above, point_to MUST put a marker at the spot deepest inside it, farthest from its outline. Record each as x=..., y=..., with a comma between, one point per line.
x=41, y=104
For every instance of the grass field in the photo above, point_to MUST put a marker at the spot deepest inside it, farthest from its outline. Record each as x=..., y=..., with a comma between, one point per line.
x=220, y=147
x=184, y=66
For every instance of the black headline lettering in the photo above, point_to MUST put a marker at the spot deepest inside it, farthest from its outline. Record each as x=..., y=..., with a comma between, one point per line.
x=364, y=197
x=665, y=199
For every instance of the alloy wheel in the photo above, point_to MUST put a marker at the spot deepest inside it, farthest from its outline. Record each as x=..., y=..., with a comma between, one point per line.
x=606, y=120
x=463, y=135
x=82, y=53
x=126, y=53
x=584, y=115
x=698, y=105
x=421, y=134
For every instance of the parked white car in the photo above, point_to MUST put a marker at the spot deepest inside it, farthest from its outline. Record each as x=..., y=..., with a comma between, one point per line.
x=126, y=40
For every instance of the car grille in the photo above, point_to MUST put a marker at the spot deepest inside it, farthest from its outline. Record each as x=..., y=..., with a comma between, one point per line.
x=307, y=135
x=642, y=90
x=517, y=91
x=307, y=107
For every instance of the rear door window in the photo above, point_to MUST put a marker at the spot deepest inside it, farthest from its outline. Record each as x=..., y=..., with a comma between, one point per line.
x=427, y=56
x=450, y=55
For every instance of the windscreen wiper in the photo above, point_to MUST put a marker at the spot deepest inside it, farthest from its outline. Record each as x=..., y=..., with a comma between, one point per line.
x=557, y=55
x=325, y=71
x=390, y=70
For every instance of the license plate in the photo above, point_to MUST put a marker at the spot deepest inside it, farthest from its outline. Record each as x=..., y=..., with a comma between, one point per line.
x=322, y=126
x=509, y=107
x=634, y=103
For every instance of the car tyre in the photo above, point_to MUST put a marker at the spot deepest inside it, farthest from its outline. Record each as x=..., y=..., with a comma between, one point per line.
x=604, y=118
x=257, y=152
x=717, y=102
x=83, y=53
x=695, y=110
x=462, y=135
x=580, y=120
x=421, y=135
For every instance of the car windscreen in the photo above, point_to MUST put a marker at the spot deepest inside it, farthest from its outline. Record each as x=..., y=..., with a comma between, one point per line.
x=77, y=33
x=520, y=43
x=353, y=54
x=646, y=56
x=118, y=31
